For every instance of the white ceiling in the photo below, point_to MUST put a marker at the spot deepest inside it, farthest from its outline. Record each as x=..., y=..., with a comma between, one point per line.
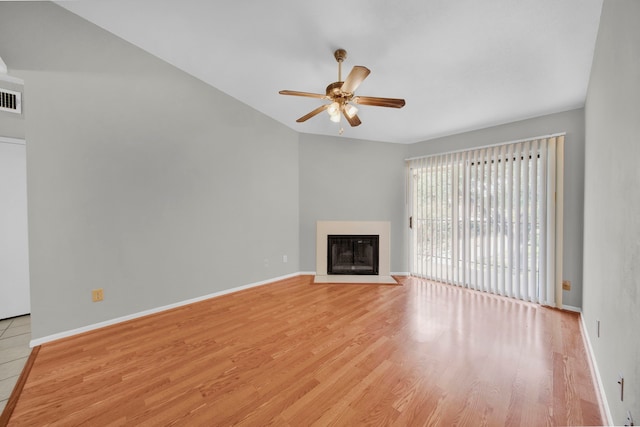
x=460, y=64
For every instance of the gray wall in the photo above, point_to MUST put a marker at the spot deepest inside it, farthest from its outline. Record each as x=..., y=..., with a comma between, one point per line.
x=343, y=179
x=612, y=205
x=571, y=122
x=335, y=172
x=141, y=179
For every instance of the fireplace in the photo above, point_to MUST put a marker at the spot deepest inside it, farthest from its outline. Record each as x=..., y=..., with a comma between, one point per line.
x=352, y=254
x=381, y=229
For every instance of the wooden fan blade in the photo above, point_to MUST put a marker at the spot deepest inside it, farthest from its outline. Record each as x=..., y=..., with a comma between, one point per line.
x=353, y=121
x=318, y=110
x=379, y=102
x=308, y=94
x=355, y=77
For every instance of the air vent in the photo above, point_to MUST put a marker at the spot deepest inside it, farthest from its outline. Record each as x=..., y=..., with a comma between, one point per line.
x=10, y=101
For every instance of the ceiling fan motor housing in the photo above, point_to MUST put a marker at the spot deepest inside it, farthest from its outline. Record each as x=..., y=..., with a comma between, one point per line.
x=335, y=93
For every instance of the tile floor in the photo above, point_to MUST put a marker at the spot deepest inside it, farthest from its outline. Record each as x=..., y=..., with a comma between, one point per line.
x=15, y=334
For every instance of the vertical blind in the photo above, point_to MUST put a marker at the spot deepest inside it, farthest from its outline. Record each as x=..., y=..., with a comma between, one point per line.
x=486, y=219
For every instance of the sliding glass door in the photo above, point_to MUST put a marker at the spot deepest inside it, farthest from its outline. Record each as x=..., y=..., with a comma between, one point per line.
x=485, y=219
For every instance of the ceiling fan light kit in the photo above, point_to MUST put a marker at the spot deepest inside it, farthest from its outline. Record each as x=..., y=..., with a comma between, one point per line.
x=341, y=95
x=350, y=110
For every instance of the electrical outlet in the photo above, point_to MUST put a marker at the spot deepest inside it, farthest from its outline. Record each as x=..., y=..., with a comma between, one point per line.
x=285, y=259
x=566, y=285
x=97, y=295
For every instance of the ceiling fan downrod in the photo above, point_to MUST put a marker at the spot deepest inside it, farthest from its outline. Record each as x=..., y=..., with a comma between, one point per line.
x=340, y=56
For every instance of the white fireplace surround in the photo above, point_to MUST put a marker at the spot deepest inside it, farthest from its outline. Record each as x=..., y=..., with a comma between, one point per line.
x=380, y=228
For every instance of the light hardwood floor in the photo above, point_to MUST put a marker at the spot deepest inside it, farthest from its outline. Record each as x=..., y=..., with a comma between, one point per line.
x=295, y=353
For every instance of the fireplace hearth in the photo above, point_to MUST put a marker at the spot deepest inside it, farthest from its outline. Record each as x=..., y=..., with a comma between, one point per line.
x=352, y=254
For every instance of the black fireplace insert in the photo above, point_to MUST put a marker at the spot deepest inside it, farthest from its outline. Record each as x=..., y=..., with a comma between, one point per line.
x=352, y=254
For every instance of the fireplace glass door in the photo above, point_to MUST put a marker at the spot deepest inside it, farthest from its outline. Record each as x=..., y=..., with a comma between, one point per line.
x=352, y=254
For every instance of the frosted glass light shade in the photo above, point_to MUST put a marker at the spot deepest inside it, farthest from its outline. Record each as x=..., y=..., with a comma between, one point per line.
x=350, y=110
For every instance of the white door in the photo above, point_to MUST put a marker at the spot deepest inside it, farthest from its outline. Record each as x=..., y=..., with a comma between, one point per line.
x=14, y=249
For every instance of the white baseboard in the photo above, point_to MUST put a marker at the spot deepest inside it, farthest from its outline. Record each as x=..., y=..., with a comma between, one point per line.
x=594, y=368
x=72, y=332
x=571, y=308
x=307, y=273
x=401, y=273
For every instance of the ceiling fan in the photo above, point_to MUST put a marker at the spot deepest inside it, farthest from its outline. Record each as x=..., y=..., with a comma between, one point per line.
x=342, y=97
